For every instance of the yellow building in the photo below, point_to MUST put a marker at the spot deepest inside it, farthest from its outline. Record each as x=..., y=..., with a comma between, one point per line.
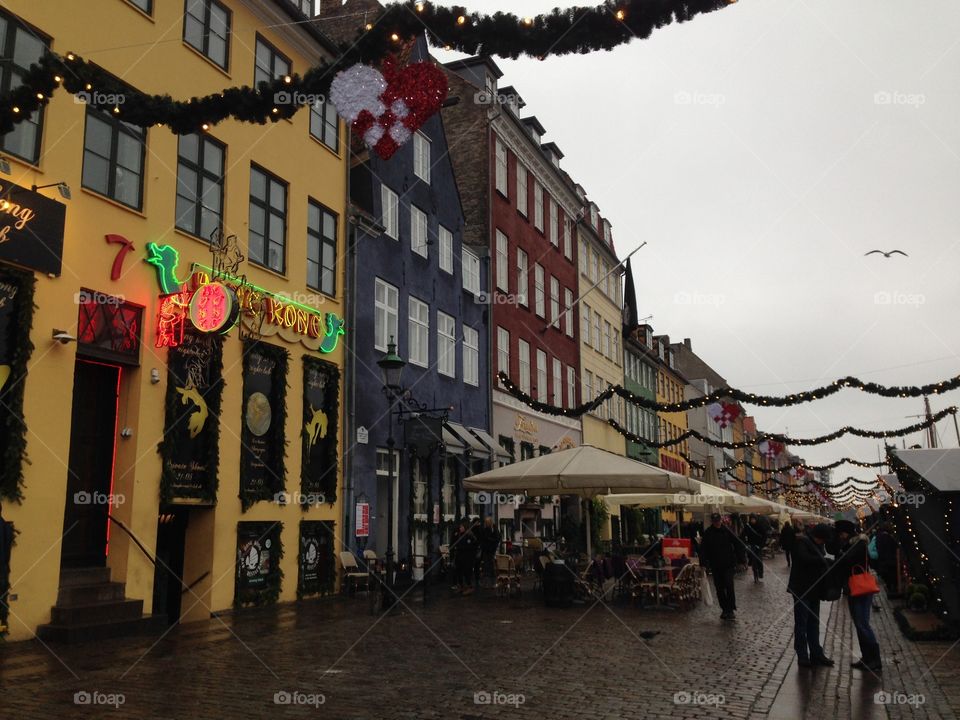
x=601, y=322
x=670, y=384
x=167, y=380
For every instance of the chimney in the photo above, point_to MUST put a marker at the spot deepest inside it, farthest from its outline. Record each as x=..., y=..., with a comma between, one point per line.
x=687, y=344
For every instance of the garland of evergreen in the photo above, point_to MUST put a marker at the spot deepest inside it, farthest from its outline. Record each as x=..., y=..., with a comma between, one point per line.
x=13, y=443
x=276, y=435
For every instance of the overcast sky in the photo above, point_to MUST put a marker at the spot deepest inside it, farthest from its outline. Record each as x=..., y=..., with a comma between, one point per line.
x=761, y=150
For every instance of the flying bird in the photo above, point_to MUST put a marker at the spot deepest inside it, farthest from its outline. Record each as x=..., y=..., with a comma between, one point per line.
x=886, y=254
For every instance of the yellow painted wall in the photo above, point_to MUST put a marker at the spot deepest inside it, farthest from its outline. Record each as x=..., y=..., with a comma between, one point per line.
x=149, y=54
x=669, y=390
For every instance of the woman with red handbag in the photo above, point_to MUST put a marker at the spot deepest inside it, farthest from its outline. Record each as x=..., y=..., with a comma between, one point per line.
x=859, y=586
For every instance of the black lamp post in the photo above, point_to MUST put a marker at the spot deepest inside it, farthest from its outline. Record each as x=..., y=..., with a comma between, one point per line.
x=391, y=366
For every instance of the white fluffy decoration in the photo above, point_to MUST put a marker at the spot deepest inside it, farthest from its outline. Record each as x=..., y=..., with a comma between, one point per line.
x=356, y=89
x=400, y=133
x=373, y=134
x=399, y=109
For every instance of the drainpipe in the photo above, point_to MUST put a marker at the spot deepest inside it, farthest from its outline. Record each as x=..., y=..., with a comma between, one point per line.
x=350, y=349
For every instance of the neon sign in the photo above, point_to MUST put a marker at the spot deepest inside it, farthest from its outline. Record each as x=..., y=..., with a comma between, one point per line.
x=165, y=259
x=172, y=318
x=214, y=308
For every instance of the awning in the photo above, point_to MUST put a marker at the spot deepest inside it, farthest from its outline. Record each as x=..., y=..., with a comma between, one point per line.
x=938, y=466
x=492, y=445
x=468, y=439
x=452, y=443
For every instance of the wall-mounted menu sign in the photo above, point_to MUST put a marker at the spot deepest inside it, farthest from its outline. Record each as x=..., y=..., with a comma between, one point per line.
x=31, y=229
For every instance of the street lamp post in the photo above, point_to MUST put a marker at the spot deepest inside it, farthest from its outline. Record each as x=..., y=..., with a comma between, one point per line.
x=391, y=366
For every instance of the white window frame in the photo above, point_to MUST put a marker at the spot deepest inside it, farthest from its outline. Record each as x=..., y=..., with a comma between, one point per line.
x=523, y=278
x=418, y=321
x=542, y=388
x=571, y=386
x=446, y=249
x=503, y=350
x=501, y=169
x=523, y=354
x=597, y=322
x=538, y=205
x=503, y=262
x=554, y=224
x=471, y=356
x=606, y=339
x=419, y=231
x=421, y=156
x=584, y=256
x=587, y=386
x=446, y=344
x=390, y=314
x=554, y=302
x=567, y=237
x=390, y=212
x=539, y=291
x=557, y=382
x=568, y=313
x=470, y=267
x=522, y=188
x=585, y=324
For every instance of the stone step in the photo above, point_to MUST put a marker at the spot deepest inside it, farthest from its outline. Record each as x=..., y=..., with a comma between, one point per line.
x=90, y=594
x=90, y=632
x=96, y=612
x=84, y=576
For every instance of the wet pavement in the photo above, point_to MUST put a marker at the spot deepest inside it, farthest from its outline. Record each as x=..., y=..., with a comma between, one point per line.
x=482, y=657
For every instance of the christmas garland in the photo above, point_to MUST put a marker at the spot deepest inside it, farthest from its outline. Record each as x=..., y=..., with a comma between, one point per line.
x=563, y=31
x=777, y=437
x=728, y=393
x=14, y=440
x=327, y=483
x=788, y=466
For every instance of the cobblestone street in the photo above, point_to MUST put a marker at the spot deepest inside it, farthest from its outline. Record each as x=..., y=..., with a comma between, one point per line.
x=446, y=660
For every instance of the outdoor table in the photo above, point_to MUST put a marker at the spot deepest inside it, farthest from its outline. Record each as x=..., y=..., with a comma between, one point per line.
x=657, y=571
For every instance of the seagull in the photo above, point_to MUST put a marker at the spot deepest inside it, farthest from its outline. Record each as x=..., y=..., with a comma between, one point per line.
x=886, y=254
x=649, y=634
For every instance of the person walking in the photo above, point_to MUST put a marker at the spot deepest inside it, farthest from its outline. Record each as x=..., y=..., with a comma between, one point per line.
x=809, y=570
x=754, y=538
x=489, y=542
x=887, y=557
x=721, y=551
x=788, y=534
x=852, y=555
x=465, y=546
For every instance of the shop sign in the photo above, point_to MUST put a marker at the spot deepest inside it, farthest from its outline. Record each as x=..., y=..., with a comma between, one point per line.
x=316, y=557
x=526, y=428
x=363, y=519
x=31, y=229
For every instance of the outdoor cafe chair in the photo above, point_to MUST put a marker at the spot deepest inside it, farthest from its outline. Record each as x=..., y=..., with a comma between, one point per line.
x=508, y=579
x=353, y=575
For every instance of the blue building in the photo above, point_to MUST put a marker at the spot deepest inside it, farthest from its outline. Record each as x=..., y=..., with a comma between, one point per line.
x=413, y=280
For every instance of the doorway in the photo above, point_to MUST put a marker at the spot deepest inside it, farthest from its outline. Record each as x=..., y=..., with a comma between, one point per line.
x=93, y=438
x=168, y=576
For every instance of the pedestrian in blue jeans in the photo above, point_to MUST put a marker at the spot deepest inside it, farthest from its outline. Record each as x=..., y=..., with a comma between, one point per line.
x=807, y=573
x=853, y=554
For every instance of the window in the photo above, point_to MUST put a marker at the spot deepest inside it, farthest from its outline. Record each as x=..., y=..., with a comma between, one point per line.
x=541, y=376
x=385, y=314
x=418, y=231
x=199, y=185
x=524, y=353
x=305, y=6
x=585, y=324
x=568, y=312
x=593, y=217
x=20, y=48
x=554, y=302
x=503, y=271
x=446, y=249
x=419, y=331
x=606, y=338
x=268, y=219
x=615, y=337
x=446, y=345
x=206, y=27
x=606, y=232
x=324, y=124
x=503, y=351
x=567, y=238
x=145, y=5
x=521, y=188
x=571, y=386
x=113, y=154
x=471, y=270
x=501, y=152
x=596, y=332
x=557, y=383
x=471, y=356
x=537, y=206
x=270, y=63
x=594, y=266
x=421, y=156
x=522, y=277
x=538, y=290
x=554, y=223
x=390, y=212
x=587, y=386
x=321, y=248
x=583, y=257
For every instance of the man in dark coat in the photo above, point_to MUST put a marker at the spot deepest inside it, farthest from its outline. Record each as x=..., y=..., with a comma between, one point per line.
x=755, y=537
x=721, y=551
x=887, y=557
x=788, y=535
x=809, y=570
x=465, y=555
x=852, y=555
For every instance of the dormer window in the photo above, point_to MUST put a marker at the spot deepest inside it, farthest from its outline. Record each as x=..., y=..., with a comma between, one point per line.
x=593, y=216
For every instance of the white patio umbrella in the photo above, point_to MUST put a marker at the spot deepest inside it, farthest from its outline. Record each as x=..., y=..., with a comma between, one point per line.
x=585, y=471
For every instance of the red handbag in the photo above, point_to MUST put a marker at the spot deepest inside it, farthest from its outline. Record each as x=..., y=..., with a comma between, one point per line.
x=863, y=582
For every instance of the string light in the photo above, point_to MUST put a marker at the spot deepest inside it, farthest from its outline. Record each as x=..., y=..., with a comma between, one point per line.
x=621, y=14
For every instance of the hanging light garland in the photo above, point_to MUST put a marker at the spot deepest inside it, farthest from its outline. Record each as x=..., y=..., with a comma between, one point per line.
x=788, y=466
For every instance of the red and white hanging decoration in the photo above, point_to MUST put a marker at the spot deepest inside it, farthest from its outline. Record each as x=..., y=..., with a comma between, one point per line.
x=385, y=107
x=770, y=448
x=724, y=414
